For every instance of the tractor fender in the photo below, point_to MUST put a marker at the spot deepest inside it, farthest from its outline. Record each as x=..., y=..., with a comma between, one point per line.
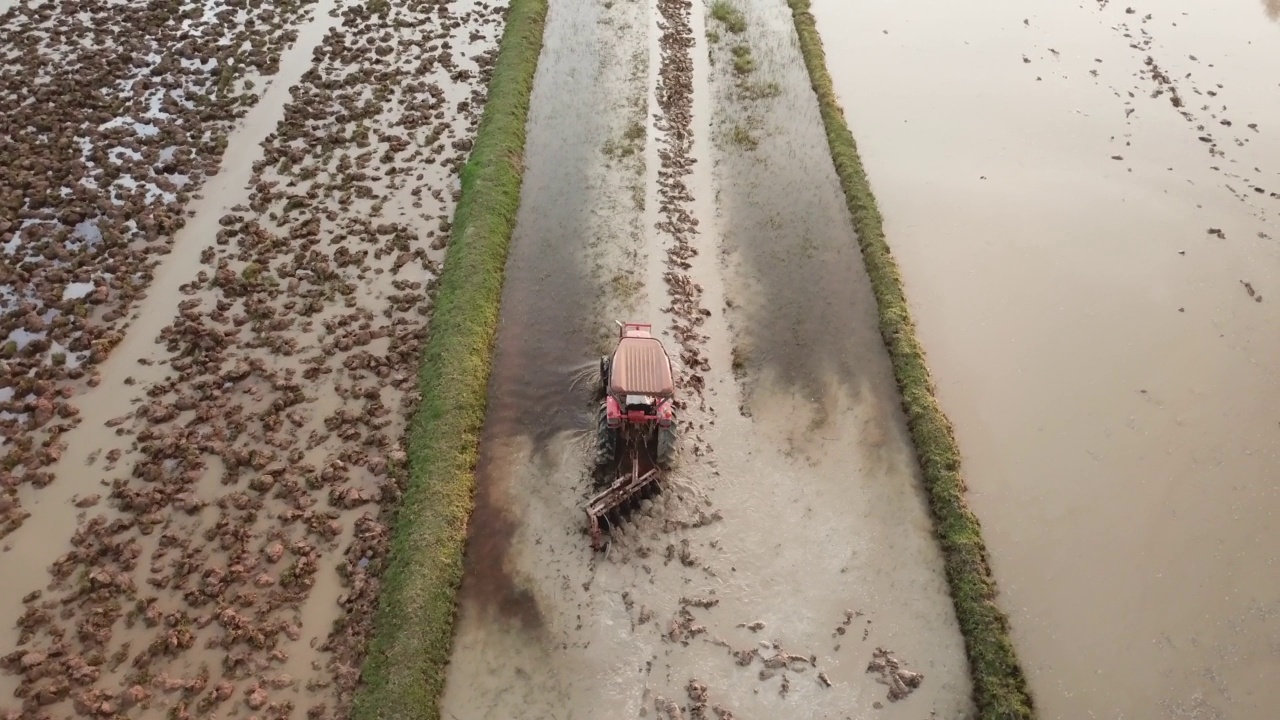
x=666, y=413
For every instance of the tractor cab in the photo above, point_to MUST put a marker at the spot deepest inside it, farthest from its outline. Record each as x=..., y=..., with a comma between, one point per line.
x=639, y=366
x=637, y=379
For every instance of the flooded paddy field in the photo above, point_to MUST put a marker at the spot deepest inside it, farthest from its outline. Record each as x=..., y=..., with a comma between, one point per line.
x=217, y=274
x=221, y=228
x=792, y=550
x=1083, y=199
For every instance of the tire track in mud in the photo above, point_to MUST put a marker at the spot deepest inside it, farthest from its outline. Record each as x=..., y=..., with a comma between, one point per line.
x=249, y=486
x=115, y=116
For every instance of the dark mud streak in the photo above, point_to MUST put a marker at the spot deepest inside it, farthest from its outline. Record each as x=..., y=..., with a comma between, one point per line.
x=813, y=318
x=548, y=317
x=809, y=316
x=487, y=583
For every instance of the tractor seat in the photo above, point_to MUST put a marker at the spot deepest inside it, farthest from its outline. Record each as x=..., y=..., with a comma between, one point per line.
x=640, y=366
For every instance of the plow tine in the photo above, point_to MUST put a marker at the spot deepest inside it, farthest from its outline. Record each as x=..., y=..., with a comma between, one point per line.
x=609, y=510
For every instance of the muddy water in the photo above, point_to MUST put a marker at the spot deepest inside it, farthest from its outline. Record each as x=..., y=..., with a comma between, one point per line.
x=802, y=338
x=547, y=322
x=777, y=539
x=546, y=316
x=1094, y=273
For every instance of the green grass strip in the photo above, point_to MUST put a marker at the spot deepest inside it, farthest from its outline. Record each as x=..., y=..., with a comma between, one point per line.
x=999, y=687
x=404, y=671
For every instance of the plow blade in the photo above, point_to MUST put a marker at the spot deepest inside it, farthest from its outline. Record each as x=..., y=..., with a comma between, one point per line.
x=609, y=507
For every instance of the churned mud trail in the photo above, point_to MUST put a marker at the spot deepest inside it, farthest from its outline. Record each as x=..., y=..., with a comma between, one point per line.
x=789, y=569
x=1088, y=236
x=518, y=648
x=217, y=525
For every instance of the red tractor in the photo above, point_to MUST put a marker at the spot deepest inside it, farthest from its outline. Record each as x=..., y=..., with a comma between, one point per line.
x=636, y=422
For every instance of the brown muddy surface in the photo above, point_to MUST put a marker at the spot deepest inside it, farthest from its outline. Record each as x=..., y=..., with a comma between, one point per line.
x=1083, y=198
x=211, y=532
x=115, y=113
x=789, y=569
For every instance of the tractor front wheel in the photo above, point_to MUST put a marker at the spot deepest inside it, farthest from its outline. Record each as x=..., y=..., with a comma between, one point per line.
x=606, y=439
x=668, y=441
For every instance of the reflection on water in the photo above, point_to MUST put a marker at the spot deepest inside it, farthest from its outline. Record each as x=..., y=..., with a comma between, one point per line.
x=1113, y=401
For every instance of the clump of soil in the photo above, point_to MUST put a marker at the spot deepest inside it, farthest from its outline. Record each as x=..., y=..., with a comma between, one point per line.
x=675, y=101
x=891, y=671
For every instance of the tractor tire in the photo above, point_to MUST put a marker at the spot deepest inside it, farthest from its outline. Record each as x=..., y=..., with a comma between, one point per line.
x=606, y=440
x=668, y=445
x=602, y=391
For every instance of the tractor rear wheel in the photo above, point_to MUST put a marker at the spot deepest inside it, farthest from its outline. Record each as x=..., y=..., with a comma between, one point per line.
x=668, y=441
x=606, y=439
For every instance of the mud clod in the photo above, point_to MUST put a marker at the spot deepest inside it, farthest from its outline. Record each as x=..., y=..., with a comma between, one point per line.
x=892, y=672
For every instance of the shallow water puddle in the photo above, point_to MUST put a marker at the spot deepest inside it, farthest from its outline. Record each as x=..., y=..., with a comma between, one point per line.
x=1088, y=237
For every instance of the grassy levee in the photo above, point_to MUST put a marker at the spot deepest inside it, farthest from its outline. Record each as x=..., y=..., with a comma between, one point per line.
x=999, y=687
x=404, y=671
